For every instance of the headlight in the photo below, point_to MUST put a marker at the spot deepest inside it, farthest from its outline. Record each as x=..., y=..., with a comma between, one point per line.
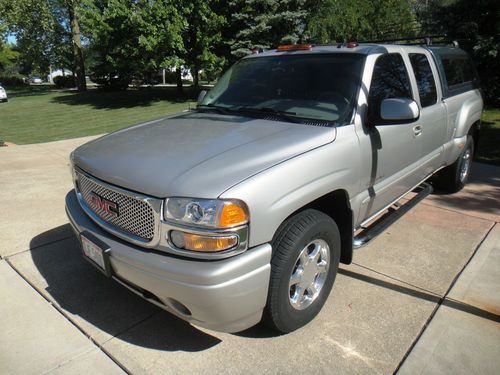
x=211, y=213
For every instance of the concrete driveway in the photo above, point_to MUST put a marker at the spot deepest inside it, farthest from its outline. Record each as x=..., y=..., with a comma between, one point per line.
x=423, y=297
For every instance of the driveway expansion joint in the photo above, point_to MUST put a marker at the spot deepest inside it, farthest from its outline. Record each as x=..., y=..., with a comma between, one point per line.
x=442, y=300
x=68, y=318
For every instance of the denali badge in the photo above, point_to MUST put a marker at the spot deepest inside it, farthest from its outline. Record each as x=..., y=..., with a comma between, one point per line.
x=104, y=204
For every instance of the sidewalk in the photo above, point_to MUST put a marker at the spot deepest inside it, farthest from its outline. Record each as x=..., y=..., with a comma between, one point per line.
x=422, y=298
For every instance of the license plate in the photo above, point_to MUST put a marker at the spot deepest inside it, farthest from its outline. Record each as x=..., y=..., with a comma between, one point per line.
x=96, y=252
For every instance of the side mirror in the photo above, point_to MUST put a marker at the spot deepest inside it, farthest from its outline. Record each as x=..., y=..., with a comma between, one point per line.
x=399, y=109
x=201, y=96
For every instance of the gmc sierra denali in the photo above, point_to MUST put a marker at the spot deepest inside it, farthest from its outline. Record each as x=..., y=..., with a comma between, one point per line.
x=240, y=210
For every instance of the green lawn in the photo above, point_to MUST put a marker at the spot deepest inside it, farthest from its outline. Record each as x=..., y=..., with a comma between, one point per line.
x=489, y=139
x=41, y=114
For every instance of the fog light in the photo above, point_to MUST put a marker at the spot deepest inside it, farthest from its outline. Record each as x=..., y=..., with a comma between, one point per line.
x=200, y=243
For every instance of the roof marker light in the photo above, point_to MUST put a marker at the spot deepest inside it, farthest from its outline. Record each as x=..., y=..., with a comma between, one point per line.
x=294, y=47
x=352, y=44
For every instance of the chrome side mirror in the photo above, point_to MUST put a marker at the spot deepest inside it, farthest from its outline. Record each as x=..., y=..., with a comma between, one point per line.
x=201, y=96
x=399, y=109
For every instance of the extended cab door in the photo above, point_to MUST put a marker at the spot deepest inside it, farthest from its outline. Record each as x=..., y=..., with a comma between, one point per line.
x=432, y=122
x=390, y=151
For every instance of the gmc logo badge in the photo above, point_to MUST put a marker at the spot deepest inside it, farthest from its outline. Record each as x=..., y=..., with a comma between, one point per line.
x=104, y=204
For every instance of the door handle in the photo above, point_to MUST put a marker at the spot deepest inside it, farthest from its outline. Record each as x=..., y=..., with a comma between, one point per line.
x=417, y=130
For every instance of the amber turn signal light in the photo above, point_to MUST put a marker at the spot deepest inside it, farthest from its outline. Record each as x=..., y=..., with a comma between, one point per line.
x=233, y=214
x=195, y=242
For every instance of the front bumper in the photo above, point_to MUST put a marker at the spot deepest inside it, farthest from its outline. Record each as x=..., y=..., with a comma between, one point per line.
x=226, y=295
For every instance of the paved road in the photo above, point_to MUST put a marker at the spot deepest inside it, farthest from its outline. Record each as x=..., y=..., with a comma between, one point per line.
x=404, y=304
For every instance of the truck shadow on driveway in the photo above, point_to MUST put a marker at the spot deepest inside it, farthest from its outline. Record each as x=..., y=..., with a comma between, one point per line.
x=103, y=308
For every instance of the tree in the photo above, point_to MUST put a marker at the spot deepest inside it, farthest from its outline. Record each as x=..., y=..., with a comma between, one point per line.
x=476, y=26
x=33, y=38
x=8, y=58
x=76, y=43
x=46, y=42
x=263, y=24
x=344, y=20
x=132, y=39
x=201, y=37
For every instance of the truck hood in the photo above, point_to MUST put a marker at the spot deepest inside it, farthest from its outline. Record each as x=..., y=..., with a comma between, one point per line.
x=195, y=154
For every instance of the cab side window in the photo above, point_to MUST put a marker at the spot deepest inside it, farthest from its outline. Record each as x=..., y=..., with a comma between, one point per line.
x=390, y=80
x=425, y=79
x=458, y=70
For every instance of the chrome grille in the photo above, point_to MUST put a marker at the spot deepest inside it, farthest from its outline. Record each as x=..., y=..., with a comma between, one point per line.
x=135, y=217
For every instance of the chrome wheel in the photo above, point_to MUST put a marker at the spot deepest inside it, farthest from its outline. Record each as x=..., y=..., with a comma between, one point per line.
x=464, y=170
x=309, y=274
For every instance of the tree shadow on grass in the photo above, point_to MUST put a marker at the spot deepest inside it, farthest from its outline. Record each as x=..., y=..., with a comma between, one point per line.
x=141, y=97
x=22, y=91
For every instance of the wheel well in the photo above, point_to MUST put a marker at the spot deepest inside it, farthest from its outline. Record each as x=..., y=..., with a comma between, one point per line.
x=474, y=132
x=336, y=205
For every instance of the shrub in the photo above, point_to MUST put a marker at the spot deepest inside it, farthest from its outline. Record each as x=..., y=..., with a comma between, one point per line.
x=111, y=83
x=64, y=82
x=11, y=80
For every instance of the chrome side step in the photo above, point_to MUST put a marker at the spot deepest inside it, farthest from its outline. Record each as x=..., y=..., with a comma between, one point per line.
x=395, y=212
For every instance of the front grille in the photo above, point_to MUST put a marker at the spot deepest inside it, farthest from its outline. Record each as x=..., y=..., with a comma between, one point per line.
x=135, y=216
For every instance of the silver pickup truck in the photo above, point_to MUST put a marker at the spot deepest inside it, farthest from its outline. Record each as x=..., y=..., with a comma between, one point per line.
x=240, y=210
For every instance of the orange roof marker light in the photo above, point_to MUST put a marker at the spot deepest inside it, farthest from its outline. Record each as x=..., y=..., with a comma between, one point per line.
x=352, y=44
x=294, y=47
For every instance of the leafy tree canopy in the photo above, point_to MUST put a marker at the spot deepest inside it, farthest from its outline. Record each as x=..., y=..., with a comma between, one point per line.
x=130, y=39
x=476, y=26
x=340, y=20
x=201, y=36
x=264, y=23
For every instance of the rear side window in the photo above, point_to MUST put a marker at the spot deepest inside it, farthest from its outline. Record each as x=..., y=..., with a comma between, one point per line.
x=458, y=70
x=425, y=79
x=390, y=80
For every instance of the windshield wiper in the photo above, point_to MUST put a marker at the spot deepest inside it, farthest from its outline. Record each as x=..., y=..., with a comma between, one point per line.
x=215, y=108
x=287, y=115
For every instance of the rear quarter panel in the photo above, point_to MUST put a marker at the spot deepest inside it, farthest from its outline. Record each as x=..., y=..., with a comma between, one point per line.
x=464, y=110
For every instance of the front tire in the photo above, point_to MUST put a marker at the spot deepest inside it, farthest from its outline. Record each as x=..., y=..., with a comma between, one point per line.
x=454, y=177
x=306, y=254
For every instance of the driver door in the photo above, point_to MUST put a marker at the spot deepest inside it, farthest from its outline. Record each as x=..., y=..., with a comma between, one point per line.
x=393, y=148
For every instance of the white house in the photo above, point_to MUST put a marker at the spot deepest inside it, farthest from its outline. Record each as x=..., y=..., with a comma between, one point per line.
x=58, y=72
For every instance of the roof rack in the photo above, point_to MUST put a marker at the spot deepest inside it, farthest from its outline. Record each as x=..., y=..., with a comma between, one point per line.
x=418, y=40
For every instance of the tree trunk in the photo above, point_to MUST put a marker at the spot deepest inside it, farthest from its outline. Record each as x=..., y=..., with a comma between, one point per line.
x=178, y=73
x=77, y=49
x=196, y=76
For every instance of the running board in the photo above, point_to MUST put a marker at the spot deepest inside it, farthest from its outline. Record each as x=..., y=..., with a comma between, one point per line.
x=393, y=213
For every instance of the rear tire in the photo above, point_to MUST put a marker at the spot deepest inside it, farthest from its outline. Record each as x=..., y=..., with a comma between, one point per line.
x=306, y=254
x=454, y=177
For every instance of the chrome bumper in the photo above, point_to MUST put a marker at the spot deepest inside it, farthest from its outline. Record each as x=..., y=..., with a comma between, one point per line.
x=226, y=295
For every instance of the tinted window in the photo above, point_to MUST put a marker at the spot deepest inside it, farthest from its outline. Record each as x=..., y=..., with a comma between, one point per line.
x=458, y=70
x=425, y=79
x=389, y=80
x=312, y=86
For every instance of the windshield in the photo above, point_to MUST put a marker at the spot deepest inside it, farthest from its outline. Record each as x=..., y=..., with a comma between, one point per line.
x=319, y=87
